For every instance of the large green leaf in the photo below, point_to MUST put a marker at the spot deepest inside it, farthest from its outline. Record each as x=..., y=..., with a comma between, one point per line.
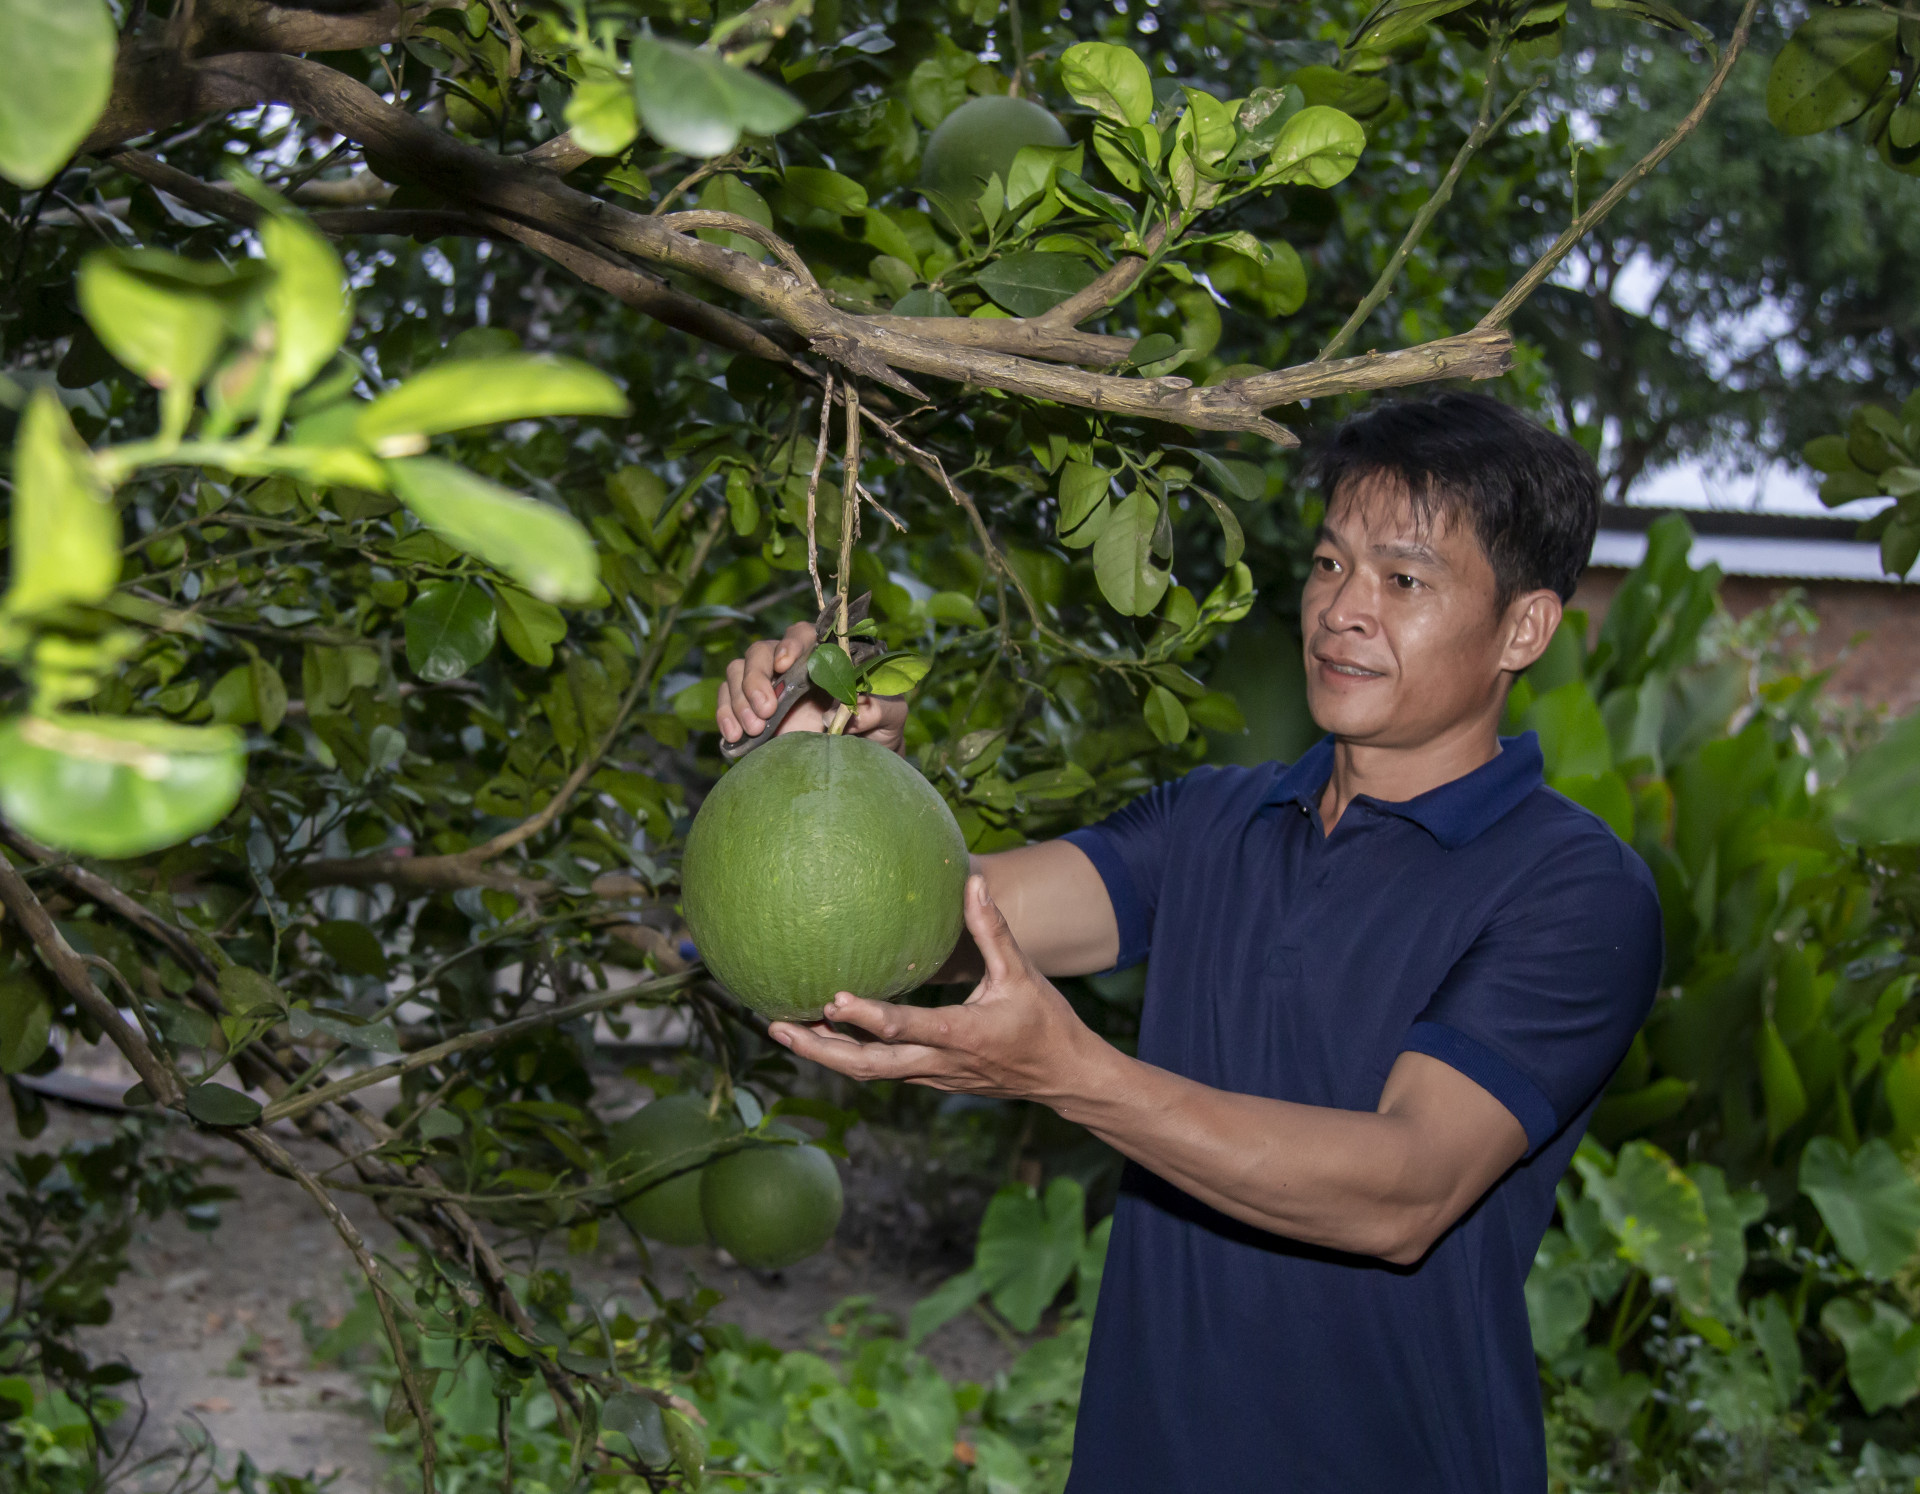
x=1082, y=487
x=1883, y=1350
x=1319, y=146
x=1112, y=81
x=694, y=102
x=1878, y=798
x=1573, y=737
x=111, y=786
x=1869, y=1203
x=528, y=626
x=1123, y=557
x=1659, y=1216
x=65, y=529
x=308, y=300
x=26, y=1020
x=449, y=628
x=163, y=316
x=461, y=392
x=59, y=74
x=539, y=546
x=1166, y=716
x=1831, y=69
x=600, y=116
x=1031, y=282
x=219, y=1105
x=1029, y=1248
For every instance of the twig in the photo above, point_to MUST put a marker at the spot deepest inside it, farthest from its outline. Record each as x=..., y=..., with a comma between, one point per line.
x=849, y=507
x=1528, y=283
x=813, y=495
x=1429, y=210
x=484, y=1038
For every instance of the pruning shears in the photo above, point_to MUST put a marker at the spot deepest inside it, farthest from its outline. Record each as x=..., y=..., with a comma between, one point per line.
x=794, y=683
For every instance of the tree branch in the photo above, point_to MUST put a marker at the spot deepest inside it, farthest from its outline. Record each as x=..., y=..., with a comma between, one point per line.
x=485, y=1038
x=67, y=968
x=1528, y=283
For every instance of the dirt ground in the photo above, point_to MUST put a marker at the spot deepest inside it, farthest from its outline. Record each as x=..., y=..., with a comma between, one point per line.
x=206, y=1317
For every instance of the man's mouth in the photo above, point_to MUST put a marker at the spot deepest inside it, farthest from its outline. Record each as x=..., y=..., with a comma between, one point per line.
x=1350, y=671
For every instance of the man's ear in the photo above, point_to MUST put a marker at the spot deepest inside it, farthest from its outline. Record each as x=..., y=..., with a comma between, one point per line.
x=1531, y=621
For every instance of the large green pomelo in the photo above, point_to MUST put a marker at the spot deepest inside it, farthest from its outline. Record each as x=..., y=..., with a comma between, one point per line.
x=823, y=864
x=979, y=140
x=674, y=1129
x=769, y=1206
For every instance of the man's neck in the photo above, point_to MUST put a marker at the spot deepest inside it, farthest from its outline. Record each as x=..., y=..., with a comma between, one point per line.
x=1395, y=774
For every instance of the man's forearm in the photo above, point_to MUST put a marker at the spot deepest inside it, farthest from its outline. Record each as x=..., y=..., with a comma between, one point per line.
x=1347, y=1180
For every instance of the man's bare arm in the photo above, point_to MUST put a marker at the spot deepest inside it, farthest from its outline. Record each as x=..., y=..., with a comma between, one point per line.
x=1055, y=903
x=1385, y=1183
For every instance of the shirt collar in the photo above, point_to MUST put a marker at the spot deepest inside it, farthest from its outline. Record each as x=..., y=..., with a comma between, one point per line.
x=1453, y=813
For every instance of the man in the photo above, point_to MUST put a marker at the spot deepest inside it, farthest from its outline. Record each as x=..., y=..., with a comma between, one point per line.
x=1388, y=985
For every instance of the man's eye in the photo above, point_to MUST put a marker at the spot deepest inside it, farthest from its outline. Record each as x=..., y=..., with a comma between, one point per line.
x=1405, y=582
x=1326, y=562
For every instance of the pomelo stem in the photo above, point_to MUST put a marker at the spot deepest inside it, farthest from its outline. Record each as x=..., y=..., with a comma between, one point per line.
x=837, y=723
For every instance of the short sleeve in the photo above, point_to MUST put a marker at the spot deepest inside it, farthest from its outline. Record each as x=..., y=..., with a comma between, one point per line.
x=1545, y=1002
x=1129, y=848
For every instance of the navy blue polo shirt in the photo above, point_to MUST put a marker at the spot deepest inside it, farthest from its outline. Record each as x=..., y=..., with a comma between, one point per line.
x=1491, y=923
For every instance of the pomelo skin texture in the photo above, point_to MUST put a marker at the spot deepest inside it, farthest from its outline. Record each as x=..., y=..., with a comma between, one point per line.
x=980, y=139
x=769, y=1206
x=823, y=864
x=669, y=1211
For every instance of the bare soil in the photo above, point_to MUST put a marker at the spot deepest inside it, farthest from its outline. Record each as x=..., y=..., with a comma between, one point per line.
x=206, y=1318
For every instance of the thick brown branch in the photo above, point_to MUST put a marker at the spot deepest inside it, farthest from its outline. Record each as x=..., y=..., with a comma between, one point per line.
x=1109, y=286
x=1483, y=353
x=67, y=968
x=250, y=26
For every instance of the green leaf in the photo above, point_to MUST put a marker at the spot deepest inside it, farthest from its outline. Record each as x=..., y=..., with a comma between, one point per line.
x=528, y=626
x=307, y=299
x=217, y=1105
x=1082, y=489
x=896, y=674
x=829, y=191
x=375, y=1037
x=353, y=946
x=1110, y=80
x=1573, y=735
x=1389, y=25
x=1234, y=538
x=1868, y=1202
x=1277, y=283
x=458, y=393
x=1029, y=1247
x=1068, y=782
x=449, y=629
x=1883, y=1350
x=1878, y=797
x=1030, y=282
x=1658, y=1215
x=113, y=786
x=65, y=529
x=924, y=301
x=164, y=317
x=830, y=668
x=1780, y=1083
x=62, y=54
x=601, y=117
x=246, y=992
x=1319, y=146
x=692, y=101
x=1827, y=454
x=1244, y=480
x=689, y=1447
x=742, y=505
x=943, y=1304
x=637, y=1418
x=26, y=1020
x=1123, y=557
x=1831, y=69
x=726, y=193
x=538, y=545
x=1166, y=716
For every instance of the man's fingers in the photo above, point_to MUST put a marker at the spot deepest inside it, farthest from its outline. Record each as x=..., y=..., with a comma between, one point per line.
x=758, y=676
x=989, y=929
x=793, y=643
x=734, y=715
x=932, y=1026
x=855, y=1059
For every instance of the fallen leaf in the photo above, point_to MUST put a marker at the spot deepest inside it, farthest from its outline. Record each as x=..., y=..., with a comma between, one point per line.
x=213, y=1405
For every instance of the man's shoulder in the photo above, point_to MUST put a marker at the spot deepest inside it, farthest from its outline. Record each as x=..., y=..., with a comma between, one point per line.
x=1562, y=838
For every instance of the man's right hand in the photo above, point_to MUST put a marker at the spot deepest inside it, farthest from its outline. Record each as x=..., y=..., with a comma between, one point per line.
x=748, y=697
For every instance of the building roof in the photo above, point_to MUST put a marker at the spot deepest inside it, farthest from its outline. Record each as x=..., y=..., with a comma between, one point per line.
x=1791, y=546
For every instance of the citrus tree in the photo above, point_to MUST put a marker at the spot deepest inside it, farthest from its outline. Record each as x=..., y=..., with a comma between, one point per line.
x=457, y=389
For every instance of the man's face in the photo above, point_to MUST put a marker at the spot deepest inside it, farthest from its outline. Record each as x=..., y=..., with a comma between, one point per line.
x=1403, y=639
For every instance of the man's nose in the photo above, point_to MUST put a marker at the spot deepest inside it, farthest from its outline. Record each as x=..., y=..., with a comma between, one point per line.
x=1349, y=608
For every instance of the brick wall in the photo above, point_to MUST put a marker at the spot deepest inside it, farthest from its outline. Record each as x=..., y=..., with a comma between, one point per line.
x=1871, y=628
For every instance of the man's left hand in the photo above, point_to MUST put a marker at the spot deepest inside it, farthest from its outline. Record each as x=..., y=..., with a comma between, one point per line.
x=1015, y=1037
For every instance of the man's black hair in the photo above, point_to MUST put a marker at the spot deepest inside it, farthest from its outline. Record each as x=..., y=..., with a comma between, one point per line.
x=1532, y=497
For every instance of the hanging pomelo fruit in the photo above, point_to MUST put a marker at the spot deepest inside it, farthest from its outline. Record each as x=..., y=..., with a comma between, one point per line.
x=661, y=1135
x=769, y=1206
x=823, y=864
x=979, y=140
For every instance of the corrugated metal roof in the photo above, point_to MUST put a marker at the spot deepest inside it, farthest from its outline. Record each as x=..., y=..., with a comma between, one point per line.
x=1788, y=546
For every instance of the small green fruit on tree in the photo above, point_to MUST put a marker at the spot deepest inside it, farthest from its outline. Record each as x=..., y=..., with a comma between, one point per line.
x=977, y=141
x=674, y=1136
x=769, y=1206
